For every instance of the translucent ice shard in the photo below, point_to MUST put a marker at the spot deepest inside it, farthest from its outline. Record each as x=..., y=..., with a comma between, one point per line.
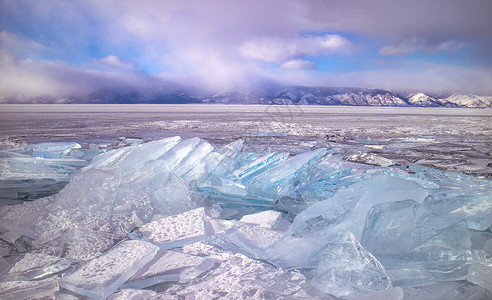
x=52, y=150
x=371, y=159
x=219, y=162
x=325, y=178
x=347, y=270
x=179, y=152
x=401, y=226
x=231, y=194
x=481, y=274
x=292, y=252
x=231, y=151
x=459, y=197
x=287, y=169
x=226, y=159
x=258, y=165
x=104, y=201
x=154, y=188
x=170, y=266
x=28, y=178
x=348, y=208
x=132, y=158
x=175, y=231
x=251, y=240
x=100, y=277
x=446, y=290
x=194, y=158
x=439, y=265
x=415, y=245
x=33, y=266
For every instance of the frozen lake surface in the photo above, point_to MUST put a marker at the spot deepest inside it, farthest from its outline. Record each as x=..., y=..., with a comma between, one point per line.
x=444, y=138
x=244, y=202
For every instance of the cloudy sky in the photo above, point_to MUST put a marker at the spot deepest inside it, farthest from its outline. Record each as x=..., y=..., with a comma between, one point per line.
x=60, y=48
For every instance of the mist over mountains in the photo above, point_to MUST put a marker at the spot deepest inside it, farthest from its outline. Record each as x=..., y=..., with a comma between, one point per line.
x=266, y=95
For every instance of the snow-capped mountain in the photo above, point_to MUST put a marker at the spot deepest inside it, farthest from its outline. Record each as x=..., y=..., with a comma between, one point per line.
x=272, y=94
x=470, y=101
x=421, y=99
x=349, y=96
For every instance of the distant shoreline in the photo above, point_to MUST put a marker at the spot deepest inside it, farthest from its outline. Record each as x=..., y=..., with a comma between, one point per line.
x=204, y=107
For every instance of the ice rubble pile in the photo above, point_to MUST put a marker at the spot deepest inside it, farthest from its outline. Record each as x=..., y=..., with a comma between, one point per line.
x=39, y=170
x=172, y=218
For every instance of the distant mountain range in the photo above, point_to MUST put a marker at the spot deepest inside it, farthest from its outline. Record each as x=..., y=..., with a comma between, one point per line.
x=274, y=95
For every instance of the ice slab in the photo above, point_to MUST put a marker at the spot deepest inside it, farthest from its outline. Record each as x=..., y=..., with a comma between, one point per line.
x=100, y=206
x=481, y=240
x=259, y=165
x=231, y=194
x=268, y=218
x=286, y=170
x=347, y=270
x=324, y=179
x=395, y=293
x=17, y=290
x=219, y=162
x=194, y=157
x=348, y=208
x=178, y=153
x=293, y=252
x=230, y=153
x=30, y=178
x=156, y=189
x=251, y=240
x=473, y=207
x=52, y=150
x=33, y=266
x=443, y=265
x=6, y=249
x=446, y=290
x=401, y=226
x=459, y=196
x=406, y=237
x=481, y=274
x=171, y=266
x=134, y=294
x=175, y=231
x=132, y=158
x=100, y=277
x=239, y=277
x=371, y=159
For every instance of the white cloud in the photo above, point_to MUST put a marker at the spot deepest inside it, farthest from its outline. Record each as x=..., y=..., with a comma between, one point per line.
x=220, y=43
x=298, y=64
x=277, y=50
x=417, y=75
x=450, y=46
x=116, y=62
x=413, y=45
x=397, y=50
x=24, y=79
x=21, y=45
